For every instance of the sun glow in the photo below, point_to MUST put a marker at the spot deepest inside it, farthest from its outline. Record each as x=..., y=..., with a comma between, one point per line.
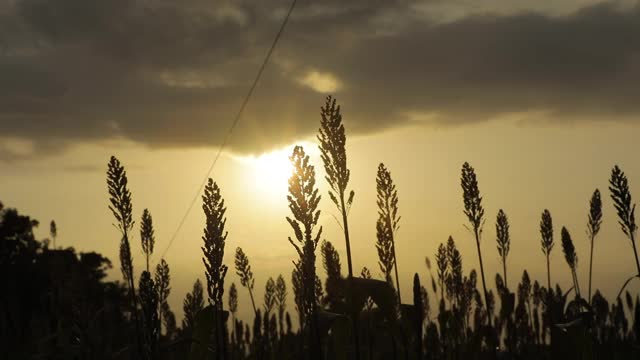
x=270, y=171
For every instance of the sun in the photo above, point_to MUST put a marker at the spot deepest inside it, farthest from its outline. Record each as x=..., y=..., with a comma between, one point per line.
x=266, y=175
x=270, y=171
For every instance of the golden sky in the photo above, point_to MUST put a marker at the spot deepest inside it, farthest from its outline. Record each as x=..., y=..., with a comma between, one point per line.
x=540, y=97
x=521, y=169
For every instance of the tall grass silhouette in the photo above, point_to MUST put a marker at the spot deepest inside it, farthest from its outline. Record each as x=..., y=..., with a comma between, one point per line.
x=269, y=296
x=214, y=239
x=332, y=267
x=388, y=219
x=593, y=228
x=571, y=257
x=303, y=202
x=384, y=246
x=281, y=301
x=243, y=270
x=122, y=208
x=193, y=303
x=332, y=145
x=162, y=279
x=442, y=263
x=546, y=233
x=70, y=308
x=621, y=196
x=150, y=320
x=475, y=214
x=503, y=240
x=233, y=308
x=147, y=235
x=625, y=209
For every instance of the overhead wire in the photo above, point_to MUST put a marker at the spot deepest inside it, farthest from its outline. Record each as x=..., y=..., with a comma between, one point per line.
x=231, y=128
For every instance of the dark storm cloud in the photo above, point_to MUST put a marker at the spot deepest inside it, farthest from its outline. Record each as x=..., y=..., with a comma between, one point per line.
x=166, y=73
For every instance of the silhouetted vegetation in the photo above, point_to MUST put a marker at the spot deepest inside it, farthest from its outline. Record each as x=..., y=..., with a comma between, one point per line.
x=58, y=304
x=593, y=228
x=333, y=141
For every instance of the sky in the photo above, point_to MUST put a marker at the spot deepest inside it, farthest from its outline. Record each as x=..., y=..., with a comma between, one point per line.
x=539, y=96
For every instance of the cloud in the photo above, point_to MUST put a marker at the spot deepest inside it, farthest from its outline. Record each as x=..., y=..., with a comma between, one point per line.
x=321, y=82
x=16, y=148
x=165, y=74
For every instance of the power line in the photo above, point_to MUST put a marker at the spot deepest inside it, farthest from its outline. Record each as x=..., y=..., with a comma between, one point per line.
x=233, y=125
